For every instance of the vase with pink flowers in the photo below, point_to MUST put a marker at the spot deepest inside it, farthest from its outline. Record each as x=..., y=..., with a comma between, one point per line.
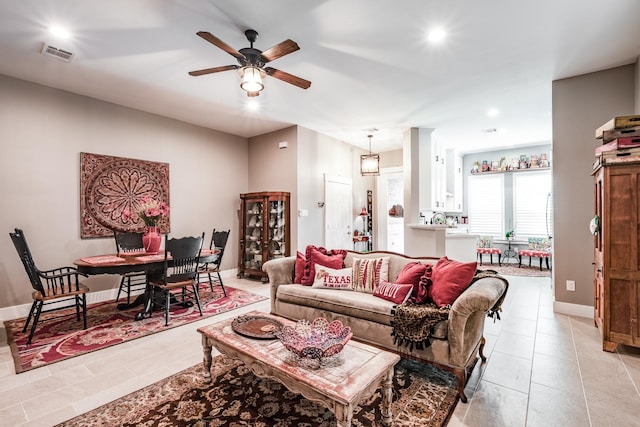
x=151, y=212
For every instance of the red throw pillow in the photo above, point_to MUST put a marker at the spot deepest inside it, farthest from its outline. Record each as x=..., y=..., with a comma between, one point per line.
x=326, y=258
x=411, y=273
x=299, y=268
x=396, y=292
x=449, y=279
x=420, y=294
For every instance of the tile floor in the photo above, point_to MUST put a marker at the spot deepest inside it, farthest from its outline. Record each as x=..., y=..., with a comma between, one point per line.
x=543, y=369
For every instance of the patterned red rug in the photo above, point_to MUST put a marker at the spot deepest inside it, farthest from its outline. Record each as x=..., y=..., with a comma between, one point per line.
x=514, y=270
x=64, y=338
x=423, y=396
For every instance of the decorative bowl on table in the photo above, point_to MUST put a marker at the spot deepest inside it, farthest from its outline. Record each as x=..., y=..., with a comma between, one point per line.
x=315, y=340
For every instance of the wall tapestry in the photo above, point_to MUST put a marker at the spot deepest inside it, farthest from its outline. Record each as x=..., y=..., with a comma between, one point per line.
x=111, y=187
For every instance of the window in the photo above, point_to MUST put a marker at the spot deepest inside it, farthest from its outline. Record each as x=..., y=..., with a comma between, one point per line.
x=531, y=192
x=486, y=204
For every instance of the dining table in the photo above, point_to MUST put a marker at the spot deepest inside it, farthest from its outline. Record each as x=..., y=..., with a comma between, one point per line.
x=135, y=262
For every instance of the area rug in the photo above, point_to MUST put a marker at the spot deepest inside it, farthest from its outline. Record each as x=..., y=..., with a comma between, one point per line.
x=422, y=396
x=514, y=270
x=63, y=338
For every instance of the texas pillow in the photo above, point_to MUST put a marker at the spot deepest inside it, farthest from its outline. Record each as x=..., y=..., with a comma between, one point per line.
x=449, y=279
x=317, y=255
x=330, y=278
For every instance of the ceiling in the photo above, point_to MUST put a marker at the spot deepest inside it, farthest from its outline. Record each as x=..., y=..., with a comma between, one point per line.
x=369, y=62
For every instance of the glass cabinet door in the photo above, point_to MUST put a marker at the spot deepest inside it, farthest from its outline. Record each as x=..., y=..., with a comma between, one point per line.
x=254, y=231
x=277, y=227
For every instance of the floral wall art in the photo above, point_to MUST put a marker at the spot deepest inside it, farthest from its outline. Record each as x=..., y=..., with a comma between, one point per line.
x=113, y=189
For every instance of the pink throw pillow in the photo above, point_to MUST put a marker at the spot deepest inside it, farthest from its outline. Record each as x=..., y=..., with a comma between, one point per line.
x=299, y=268
x=449, y=279
x=326, y=258
x=411, y=273
x=396, y=292
x=420, y=294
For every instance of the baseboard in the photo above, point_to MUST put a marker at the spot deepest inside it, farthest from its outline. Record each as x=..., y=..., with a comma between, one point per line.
x=18, y=311
x=22, y=310
x=573, y=309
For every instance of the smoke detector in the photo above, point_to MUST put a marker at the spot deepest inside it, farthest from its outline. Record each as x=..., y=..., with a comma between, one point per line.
x=56, y=52
x=489, y=130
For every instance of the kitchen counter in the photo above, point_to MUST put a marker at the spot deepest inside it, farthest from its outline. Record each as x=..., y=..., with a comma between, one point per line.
x=440, y=240
x=428, y=226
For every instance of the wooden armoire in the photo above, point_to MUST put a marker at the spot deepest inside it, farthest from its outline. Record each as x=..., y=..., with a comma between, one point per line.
x=617, y=253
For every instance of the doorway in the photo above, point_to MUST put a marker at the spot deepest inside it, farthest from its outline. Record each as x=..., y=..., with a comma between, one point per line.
x=338, y=199
x=390, y=186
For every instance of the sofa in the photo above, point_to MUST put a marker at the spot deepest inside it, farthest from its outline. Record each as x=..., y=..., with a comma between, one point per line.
x=454, y=341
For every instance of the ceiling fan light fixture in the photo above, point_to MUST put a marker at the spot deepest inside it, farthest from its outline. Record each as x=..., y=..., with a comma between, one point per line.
x=251, y=80
x=370, y=163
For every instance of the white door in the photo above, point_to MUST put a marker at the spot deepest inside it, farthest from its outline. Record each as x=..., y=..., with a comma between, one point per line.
x=338, y=207
x=390, y=192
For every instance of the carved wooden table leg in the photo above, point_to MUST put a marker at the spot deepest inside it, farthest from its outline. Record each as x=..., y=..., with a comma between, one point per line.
x=387, y=396
x=206, y=361
x=344, y=414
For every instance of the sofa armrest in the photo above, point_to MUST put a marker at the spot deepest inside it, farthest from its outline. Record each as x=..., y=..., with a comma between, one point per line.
x=467, y=314
x=280, y=272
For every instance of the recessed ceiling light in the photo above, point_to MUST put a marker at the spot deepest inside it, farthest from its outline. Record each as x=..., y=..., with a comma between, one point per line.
x=493, y=112
x=59, y=32
x=436, y=35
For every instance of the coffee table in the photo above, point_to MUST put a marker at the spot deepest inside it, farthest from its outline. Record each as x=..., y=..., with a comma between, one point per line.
x=359, y=371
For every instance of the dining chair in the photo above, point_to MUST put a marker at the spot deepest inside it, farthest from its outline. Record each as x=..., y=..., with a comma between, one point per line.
x=484, y=245
x=59, y=286
x=180, y=273
x=219, y=242
x=130, y=242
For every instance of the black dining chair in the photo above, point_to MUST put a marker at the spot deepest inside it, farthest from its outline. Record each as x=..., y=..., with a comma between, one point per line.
x=218, y=242
x=180, y=273
x=130, y=242
x=59, y=286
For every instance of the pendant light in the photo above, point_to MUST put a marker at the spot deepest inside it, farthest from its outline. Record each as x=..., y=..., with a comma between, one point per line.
x=370, y=163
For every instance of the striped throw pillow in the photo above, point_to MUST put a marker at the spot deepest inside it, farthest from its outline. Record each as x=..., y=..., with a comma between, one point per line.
x=368, y=273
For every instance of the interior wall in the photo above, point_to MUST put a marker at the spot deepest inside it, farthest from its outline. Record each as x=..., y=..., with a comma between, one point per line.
x=637, y=83
x=580, y=105
x=272, y=168
x=391, y=159
x=319, y=155
x=43, y=131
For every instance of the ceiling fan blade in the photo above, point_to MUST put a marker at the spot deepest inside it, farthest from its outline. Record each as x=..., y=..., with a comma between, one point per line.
x=289, y=78
x=279, y=50
x=213, y=70
x=222, y=45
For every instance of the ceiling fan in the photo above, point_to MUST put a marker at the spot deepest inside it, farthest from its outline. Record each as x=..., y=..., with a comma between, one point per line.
x=252, y=62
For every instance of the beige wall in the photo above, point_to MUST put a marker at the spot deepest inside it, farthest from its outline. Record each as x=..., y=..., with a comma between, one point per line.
x=391, y=159
x=43, y=131
x=319, y=155
x=274, y=169
x=637, y=82
x=580, y=105
x=300, y=169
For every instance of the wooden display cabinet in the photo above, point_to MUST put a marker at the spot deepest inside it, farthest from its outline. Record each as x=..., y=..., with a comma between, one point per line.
x=264, y=231
x=616, y=254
